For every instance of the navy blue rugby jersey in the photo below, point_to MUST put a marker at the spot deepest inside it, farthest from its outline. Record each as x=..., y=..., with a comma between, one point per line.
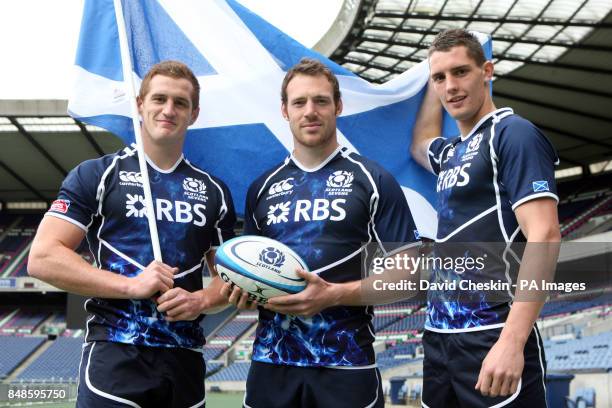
x=194, y=213
x=326, y=215
x=482, y=178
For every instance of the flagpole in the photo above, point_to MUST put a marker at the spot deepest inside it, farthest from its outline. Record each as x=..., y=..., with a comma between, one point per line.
x=128, y=80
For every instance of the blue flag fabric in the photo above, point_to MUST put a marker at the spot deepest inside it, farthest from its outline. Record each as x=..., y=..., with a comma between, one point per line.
x=240, y=60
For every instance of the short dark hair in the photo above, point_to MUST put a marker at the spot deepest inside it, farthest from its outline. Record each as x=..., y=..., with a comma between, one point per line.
x=312, y=67
x=172, y=69
x=456, y=37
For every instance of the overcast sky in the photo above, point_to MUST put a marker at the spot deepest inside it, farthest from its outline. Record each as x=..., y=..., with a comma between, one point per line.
x=38, y=39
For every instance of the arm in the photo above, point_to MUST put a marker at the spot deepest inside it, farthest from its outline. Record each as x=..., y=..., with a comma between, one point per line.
x=179, y=304
x=320, y=294
x=52, y=259
x=503, y=366
x=428, y=126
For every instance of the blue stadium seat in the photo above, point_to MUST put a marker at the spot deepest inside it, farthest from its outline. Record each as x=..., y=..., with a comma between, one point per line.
x=59, y=362
x=15, y=350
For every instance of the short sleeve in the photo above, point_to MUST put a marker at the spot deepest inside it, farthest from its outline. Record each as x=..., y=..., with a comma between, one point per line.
x=435, y=153
x=526, y=161
x=393, y=222
x=250, y=225
x=227, y=217
x=76, y=201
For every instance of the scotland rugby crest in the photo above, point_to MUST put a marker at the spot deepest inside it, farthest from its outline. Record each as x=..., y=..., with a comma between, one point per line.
x=195, y=189
x=272, y=257
x=340, y=182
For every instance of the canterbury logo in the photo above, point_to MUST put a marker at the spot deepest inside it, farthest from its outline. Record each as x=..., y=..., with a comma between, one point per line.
x=281, y=186
x=130, y=177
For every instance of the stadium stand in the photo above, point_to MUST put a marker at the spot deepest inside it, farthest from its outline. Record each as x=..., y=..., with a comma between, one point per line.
x=25, y=321
x=213, y=351
x=233, y=330
x=237, y=371
x=58, y=363
x=561, y=306
x=15, y=350
x=18, y=232
x=396, y=355
x=411, y=323
x=600, y=206
x=588, y=353
x=212, y=368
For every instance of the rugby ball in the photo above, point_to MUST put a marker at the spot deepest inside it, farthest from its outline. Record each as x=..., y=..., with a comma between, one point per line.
x=261, y=266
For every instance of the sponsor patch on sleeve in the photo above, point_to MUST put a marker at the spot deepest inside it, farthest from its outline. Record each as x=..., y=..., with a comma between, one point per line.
x=60, y=206
x=539, y=186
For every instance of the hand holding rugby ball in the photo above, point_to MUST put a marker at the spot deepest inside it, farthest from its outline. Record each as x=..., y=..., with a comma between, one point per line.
x=261, y=266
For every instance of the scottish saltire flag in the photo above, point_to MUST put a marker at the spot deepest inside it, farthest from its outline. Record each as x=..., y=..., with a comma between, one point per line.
x=240, y=61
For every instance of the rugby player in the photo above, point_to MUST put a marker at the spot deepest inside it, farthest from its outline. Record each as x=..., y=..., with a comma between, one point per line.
x=314, y=349
x=143, y=345
x=495, y=185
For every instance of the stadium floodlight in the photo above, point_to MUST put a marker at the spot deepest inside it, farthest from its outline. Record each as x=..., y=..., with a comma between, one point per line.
x=52, y=128
x=601, y=166
x=93, y=128
x=569, y=172
x=8, y=128
x=48, y=124
x=49, y=120
x=26, y=205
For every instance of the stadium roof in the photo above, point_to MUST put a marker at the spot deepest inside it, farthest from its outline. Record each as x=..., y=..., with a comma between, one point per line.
x=552, y=60
x=552, y=64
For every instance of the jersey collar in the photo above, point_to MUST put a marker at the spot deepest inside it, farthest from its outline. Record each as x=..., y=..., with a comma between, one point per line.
x=320, y=166
x=494, y=114
x=170, y=170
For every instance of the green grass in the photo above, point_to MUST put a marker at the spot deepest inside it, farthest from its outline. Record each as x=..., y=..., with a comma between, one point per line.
x=224, y=400
x=47, y=405
x=213, y=400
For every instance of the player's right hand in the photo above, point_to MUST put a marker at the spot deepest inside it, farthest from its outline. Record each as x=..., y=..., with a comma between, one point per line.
x=237, y=297
x=156, y=278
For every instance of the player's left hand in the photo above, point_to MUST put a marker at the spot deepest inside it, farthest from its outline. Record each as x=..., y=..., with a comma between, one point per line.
x=501, y=369
x=179, y=304
x=318, y=295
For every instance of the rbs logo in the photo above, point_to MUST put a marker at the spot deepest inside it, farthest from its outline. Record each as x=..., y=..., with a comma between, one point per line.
x=456, y=176
x=305, y=210
x=178, y=211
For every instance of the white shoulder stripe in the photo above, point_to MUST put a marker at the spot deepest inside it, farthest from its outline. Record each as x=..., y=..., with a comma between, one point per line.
x=263, y=186
x=373, y=199
x=494, y=160
x=431, y=155
x=223, y=210
x=127, y=152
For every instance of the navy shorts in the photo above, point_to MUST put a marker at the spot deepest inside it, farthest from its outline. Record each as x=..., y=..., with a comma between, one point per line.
x=123, y=375
x=283, y=386
x=452, y=364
